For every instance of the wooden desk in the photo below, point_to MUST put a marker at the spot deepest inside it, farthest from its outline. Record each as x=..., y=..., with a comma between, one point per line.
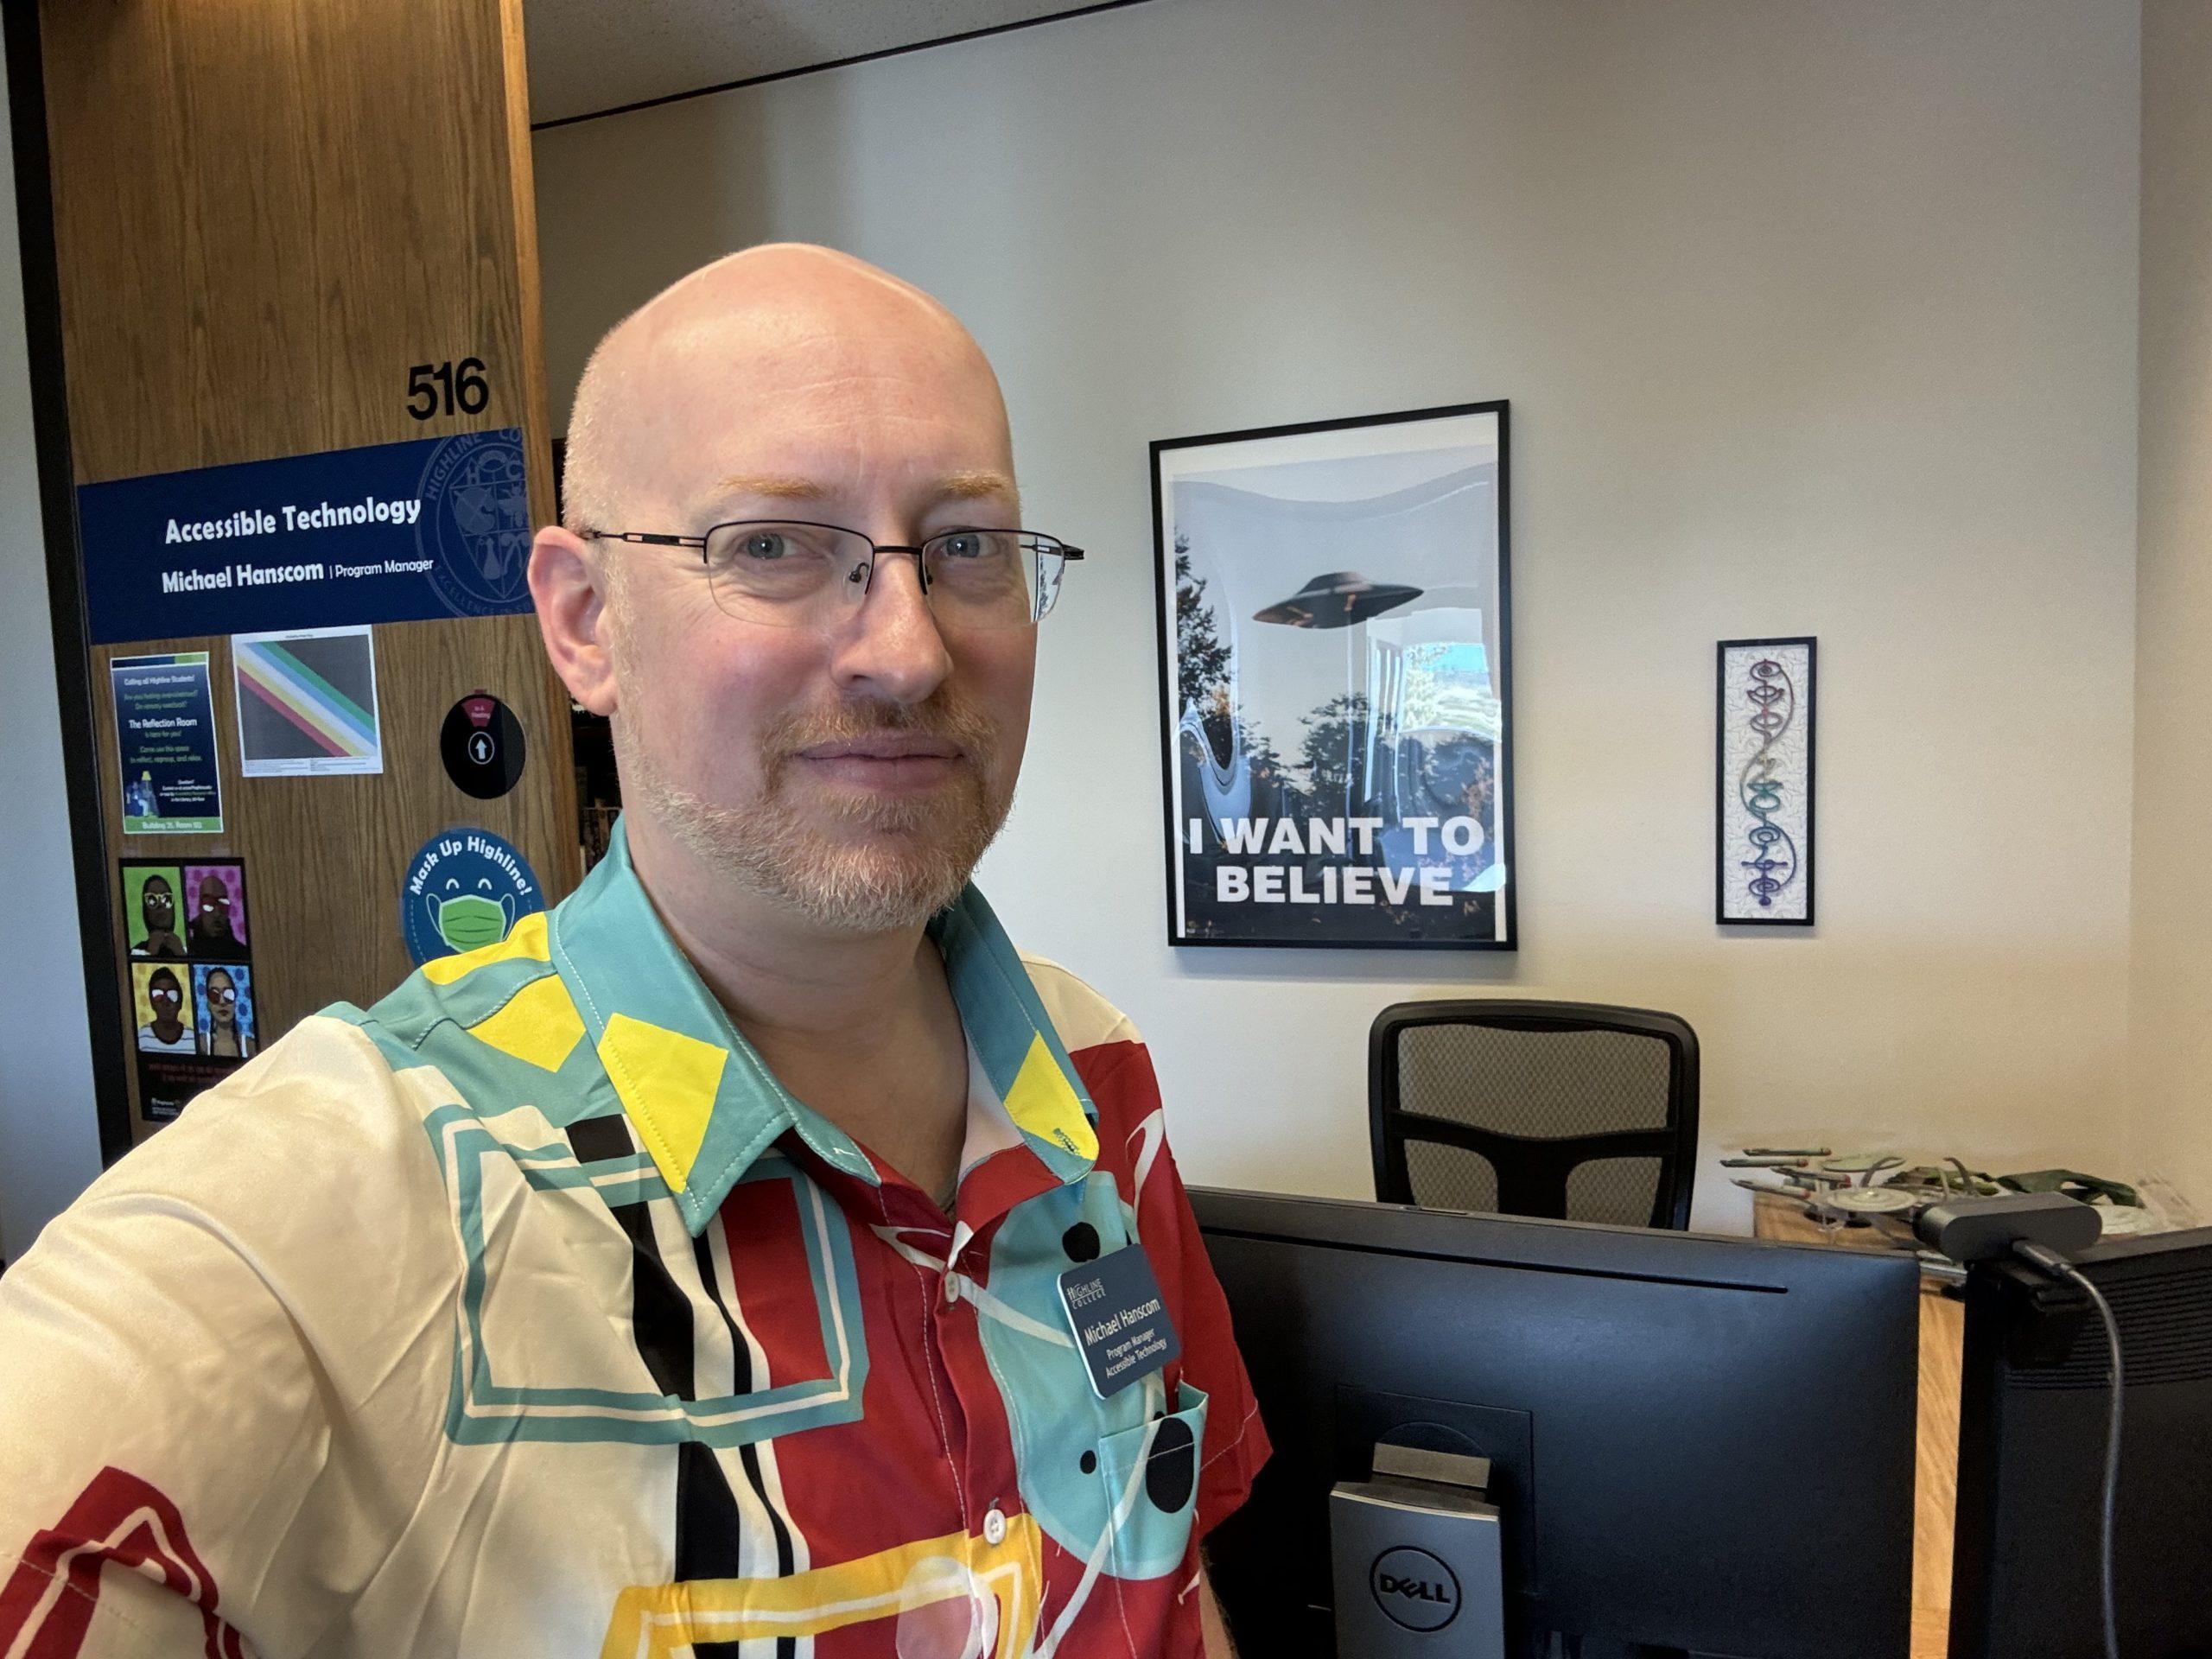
x=1942, y=1344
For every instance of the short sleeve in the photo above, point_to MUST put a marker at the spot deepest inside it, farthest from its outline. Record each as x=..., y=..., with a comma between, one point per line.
x=213, y=1417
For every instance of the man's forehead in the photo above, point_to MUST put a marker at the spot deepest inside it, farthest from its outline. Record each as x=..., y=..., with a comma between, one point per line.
x=780, y=344
x=894, y=426
x=814, y=486
x=837, y=387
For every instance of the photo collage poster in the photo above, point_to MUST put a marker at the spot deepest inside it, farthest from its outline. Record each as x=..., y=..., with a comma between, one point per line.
x=189, y=939
x=1335, y=682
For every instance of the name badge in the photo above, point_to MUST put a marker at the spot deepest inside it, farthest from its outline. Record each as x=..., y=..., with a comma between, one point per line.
x=1120, y=1320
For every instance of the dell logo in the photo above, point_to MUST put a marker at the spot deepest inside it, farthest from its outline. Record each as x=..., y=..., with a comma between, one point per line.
x=1391, y=1586
x=1415, y=1588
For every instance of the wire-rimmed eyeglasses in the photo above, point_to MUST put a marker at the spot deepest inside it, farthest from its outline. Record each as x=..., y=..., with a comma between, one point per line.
x=789, y=572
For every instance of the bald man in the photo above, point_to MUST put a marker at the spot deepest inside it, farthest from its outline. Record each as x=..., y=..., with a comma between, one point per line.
x=756, y=1255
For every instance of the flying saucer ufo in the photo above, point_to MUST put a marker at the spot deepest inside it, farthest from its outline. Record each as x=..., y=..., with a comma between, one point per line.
x=1337, y=599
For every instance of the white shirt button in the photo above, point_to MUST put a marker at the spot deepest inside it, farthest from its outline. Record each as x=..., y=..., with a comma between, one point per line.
x=952, y=1289
x=995, y=1527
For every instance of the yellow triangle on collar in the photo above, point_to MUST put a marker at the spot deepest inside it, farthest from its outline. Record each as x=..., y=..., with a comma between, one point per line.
x=1042, y=1103
x=667, y=1083
x=525, y=942
x=539, y=1024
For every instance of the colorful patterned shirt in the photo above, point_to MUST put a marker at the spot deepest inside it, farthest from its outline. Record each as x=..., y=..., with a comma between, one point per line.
x=527, y=1314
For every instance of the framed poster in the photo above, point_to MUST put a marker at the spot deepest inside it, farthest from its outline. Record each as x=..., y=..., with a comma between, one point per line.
x=165, y=736
x=1336, y=709
x=1763, y=859
x=188, y=934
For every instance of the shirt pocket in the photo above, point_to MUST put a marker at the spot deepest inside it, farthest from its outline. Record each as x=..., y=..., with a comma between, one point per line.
x=1150, y=1474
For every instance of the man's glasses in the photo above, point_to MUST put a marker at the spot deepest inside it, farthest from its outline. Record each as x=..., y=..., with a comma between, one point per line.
x=792, y=574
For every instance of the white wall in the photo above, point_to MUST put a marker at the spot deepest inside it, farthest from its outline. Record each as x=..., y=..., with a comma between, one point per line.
x=2172, y=965
x=50, y=1134
x=1815, y=318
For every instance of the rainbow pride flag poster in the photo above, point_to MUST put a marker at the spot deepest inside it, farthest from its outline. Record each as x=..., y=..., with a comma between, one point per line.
x=307, y=702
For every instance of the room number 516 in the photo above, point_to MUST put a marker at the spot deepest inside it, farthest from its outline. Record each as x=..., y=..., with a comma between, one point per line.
x=447, y=388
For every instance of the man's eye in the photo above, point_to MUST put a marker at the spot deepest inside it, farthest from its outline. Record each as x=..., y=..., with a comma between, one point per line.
x=765, y=544
x=976, y=546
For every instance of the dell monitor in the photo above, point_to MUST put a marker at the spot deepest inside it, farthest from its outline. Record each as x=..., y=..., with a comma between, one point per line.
x=1697, y=1445
x=2027, y=1561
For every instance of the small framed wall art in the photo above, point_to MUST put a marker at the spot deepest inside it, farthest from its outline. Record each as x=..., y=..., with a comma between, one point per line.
x=1763, y=858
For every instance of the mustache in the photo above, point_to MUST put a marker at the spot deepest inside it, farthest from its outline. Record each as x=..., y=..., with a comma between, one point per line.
x=952, y=719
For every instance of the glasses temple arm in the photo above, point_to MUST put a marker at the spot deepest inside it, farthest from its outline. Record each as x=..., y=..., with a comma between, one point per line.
x=648, y=537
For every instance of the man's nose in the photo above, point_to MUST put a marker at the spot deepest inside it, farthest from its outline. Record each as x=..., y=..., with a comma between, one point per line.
x=891, y=646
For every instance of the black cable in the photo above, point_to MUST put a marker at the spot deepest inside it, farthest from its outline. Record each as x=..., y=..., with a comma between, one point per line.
x=2058, y=1267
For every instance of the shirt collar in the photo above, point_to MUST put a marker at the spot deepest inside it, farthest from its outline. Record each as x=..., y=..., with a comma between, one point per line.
x=705, y=1105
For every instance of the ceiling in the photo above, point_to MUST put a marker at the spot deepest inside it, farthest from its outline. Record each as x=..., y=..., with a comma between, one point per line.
x=587, y=56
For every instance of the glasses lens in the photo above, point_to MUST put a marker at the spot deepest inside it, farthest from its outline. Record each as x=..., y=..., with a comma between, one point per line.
x=992, y=578
x=780, y=573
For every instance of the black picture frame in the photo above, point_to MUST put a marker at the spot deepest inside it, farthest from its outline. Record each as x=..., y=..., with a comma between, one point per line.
x=1499, y=903
x=1729, y=863
x=170, y=1078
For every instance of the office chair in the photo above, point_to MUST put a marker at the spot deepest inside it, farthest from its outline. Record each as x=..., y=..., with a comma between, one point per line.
x=1572, y=1111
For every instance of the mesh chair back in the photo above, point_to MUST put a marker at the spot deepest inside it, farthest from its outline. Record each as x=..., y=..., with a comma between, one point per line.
x=1566, y=1109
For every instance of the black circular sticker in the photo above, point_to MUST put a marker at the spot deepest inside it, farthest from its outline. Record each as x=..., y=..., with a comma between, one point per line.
x=482, y=746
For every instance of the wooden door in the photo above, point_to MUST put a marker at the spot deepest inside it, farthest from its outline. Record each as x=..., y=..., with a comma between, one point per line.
x=266, y=212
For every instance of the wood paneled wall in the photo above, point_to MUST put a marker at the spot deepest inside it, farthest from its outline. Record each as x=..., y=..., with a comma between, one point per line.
x=265, y=211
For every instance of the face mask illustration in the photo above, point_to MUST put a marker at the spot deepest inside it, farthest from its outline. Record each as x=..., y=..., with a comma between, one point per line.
x=469, y=921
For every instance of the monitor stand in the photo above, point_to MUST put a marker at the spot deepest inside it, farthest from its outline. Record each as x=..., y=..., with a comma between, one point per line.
x=1417, y=1569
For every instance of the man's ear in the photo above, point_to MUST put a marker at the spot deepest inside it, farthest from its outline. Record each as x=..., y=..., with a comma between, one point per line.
x=571, y=600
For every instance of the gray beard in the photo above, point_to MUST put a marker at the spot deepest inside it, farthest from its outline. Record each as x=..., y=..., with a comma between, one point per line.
x=913, y=863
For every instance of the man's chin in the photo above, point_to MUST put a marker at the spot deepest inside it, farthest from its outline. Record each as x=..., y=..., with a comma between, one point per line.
x=884, y=870
x=881, y=882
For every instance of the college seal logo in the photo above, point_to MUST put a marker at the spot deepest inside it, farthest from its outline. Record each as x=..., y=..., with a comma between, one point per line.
x=475, y=524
